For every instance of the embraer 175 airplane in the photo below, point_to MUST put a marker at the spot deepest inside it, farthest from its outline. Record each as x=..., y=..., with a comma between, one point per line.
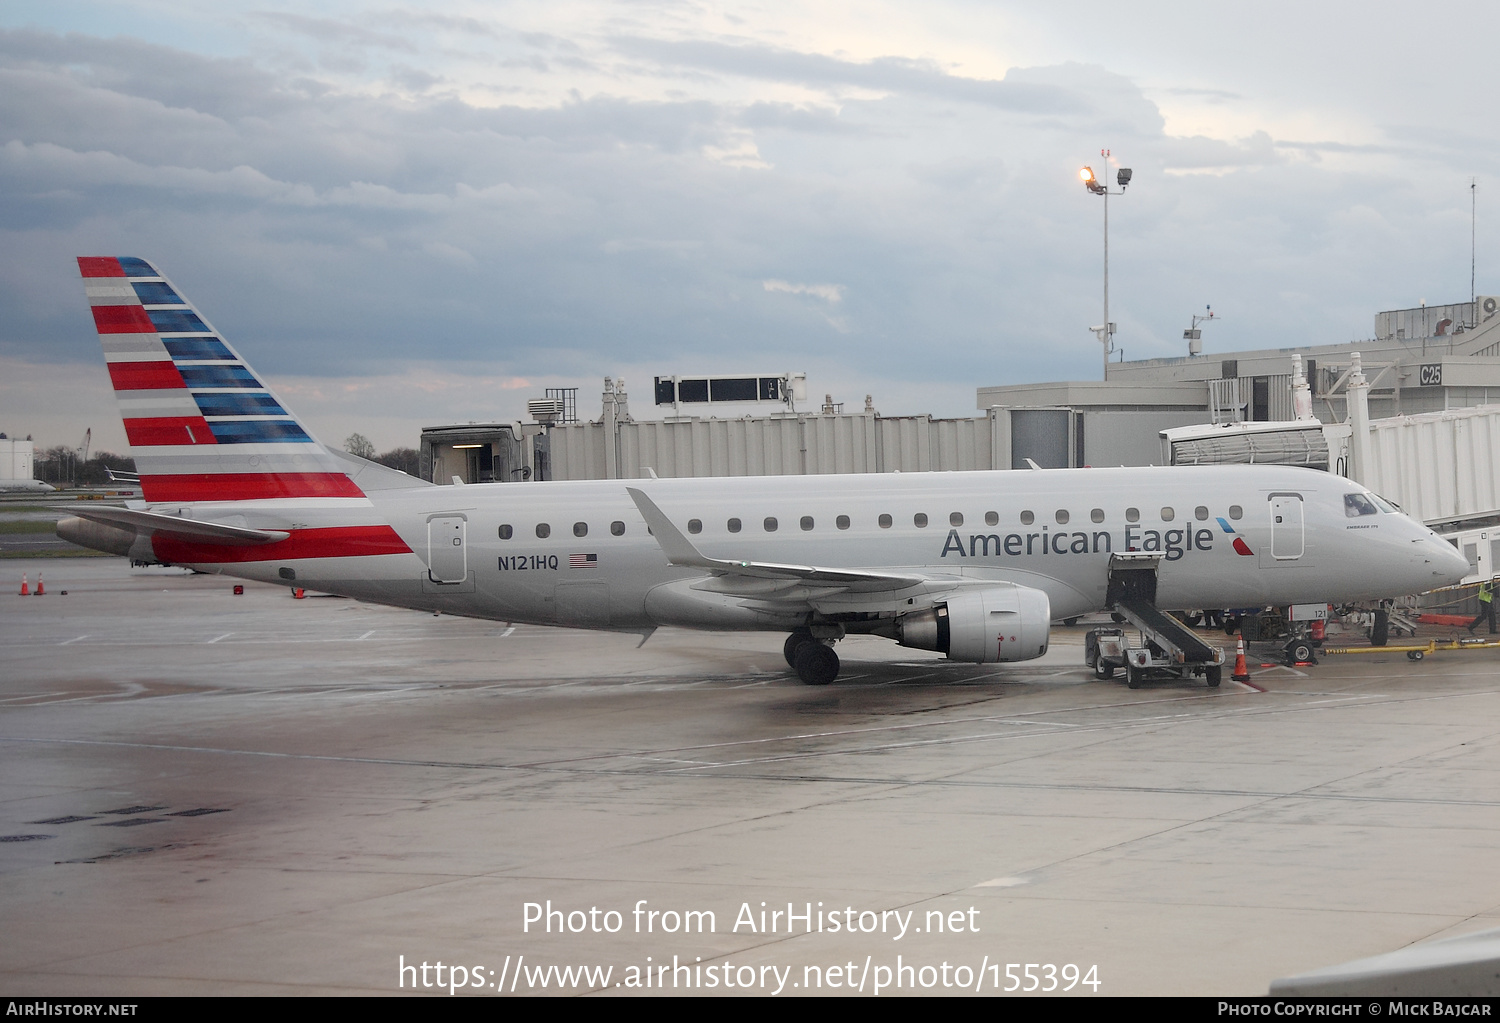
x=975, y=565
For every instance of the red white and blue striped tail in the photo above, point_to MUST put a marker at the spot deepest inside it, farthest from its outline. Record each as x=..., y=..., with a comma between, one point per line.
x=202, y=425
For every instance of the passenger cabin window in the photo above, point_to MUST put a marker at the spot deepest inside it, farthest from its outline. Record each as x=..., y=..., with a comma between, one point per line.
x=885, y=521
x=1235, y=511
x=807, y=522
x=1132, y=515
x=955, y=518
x=617, y=528
x=506, y=532
x=919, y=520
x=992, y=518
x=1200, y=513
x=1062, y=516
x=1356, y=505
x=842, y=522
x=1027, y=518
x=580, y=529
x=1167, y=514
x=543, y=530
x=733, y=525
x=1097, y=514
x=770, y=524
x=695, y=525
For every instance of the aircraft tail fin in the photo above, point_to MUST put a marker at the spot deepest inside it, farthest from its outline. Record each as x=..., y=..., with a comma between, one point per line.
x=202, y=424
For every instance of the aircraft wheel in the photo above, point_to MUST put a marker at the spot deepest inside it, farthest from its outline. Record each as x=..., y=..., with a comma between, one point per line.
x=1103, y=669
x=1301, y=650
x=1380, y=632
x=1117, y=617
x=789, y=649
x=1132, y=676
x=1416, y=655
x=1193, y=618
x=817, y=665
x=1213, y=674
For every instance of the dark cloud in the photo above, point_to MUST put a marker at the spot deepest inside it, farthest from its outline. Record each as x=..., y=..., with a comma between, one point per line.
x=329, y=30
x=414, y=79
x=408, y=19
x=337, y=231
x=896, y=74
x=1211, y=95
x=221, y=87
x=789, y=117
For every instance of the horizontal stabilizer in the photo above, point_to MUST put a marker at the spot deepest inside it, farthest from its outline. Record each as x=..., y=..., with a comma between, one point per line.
x=144, y=522
x=681, y=551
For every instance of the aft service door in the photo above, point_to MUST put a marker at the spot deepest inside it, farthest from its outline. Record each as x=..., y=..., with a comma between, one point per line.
x=447, y=552
x=1286, y=527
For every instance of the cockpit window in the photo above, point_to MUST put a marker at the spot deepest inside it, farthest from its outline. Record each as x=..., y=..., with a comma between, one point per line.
x=1356, y=505
x=1383, y=504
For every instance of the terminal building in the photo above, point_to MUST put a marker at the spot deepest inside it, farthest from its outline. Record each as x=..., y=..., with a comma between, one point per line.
x=1426, y=432
x=17, y=459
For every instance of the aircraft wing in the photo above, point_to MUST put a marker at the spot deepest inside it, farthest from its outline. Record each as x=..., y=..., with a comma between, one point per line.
x=186, y=529
x=762, y=579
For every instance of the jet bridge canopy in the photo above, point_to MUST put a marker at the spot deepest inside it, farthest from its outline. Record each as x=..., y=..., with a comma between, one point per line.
x=1249, y=444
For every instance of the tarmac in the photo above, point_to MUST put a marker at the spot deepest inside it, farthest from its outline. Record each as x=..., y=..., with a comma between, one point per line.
x=204, y=793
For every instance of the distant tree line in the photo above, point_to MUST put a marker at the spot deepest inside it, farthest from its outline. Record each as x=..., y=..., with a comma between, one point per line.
x=62, y=465
x=404, y=459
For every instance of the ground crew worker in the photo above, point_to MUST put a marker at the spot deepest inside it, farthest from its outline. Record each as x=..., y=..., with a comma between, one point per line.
x=1486, y=606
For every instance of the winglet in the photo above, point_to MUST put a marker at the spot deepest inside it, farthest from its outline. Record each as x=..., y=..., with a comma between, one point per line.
x=678, y=548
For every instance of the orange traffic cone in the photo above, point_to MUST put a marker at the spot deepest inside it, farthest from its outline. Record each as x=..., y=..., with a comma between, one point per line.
x=40, y=589
x=1241, y=672
x=299, y=593
x=25, y=589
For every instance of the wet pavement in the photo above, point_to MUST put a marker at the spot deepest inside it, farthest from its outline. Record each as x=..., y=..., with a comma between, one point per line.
x=209, y=793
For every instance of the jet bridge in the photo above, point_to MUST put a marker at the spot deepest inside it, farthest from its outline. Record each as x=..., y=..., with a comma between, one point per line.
x=1167, y=647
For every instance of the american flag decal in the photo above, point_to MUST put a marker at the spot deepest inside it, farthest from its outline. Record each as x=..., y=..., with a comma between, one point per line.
x=583, y=561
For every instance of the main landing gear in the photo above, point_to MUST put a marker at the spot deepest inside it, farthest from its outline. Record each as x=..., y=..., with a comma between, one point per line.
x=814, y=661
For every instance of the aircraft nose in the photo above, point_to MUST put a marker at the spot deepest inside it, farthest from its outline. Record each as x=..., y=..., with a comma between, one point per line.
x=1446, y=562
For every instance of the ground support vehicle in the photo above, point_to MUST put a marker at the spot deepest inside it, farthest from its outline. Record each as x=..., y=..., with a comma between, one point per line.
x=1160, y=646
x=1415, y=652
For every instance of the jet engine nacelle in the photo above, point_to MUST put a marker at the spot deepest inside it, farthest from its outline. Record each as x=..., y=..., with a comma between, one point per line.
x=999, y=623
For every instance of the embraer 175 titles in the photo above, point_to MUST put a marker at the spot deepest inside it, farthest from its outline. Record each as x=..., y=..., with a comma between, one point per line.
x=973, y=564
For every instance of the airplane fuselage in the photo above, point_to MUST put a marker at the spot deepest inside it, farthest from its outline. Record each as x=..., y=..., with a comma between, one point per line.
x=578, y=553
x=974, y=565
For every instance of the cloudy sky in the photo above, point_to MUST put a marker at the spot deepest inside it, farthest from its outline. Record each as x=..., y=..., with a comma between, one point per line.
x=411, y=214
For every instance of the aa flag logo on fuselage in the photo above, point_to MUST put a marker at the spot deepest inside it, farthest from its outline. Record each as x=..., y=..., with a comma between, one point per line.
x=1240, y=546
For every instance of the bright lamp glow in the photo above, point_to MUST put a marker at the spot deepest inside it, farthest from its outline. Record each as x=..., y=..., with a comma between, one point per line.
x=1087, y=174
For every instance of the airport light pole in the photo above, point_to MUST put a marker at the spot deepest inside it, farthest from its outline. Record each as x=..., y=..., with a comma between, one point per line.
x=1105, y=331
